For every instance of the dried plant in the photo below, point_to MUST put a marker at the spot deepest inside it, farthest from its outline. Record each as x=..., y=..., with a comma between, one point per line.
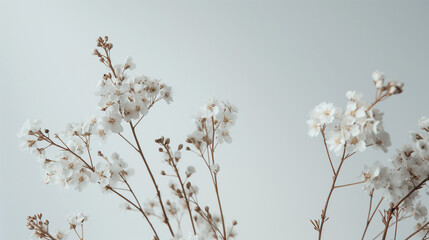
x=360, y=126
x=68, y=157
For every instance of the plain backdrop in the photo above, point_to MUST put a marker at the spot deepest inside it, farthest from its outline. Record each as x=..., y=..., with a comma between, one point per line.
x=274, y=60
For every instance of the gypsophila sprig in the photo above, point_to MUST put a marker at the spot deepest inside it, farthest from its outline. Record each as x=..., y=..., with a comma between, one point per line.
x=360, y=126
x=40, y=228
x=68, y=158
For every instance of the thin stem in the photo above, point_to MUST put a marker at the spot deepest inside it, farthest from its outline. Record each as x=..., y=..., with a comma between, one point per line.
x=89, y=152
x=128, y=142
x=158, y=193
x=396, y=225
x=109, y=62
x=399, y=220
x=78, y=236
x=66, y=148
x=137, y=207
x=131, y=190
x=220, y=207
x=371, y=197
x=149, y=107
x=369, y=218
x=185, y=195
x=215, y=182
x=350, y=184
x=418, y=230
x=82, y=230
x=326, y=148
x=323, y=216
x=173, y=164
x=212, y=225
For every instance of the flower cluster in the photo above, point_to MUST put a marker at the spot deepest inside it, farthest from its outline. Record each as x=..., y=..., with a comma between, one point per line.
x=123, y=98
x=41, y=231
x=213, y=124
x=67, y=166
x=410, y=167
x=124, y=101
x=358, y=126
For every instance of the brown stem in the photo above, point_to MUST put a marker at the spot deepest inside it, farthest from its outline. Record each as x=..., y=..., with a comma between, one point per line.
x=149, y=107
x=326, y=148
x=82, y=230
x=131, y=190
x=184, y=194
x=109, y=62
x=323, y=216
x=46, y=233
x=89, y=152
x=400, y=219
x=379, y=99
x=158, y=193
x=220, y=207
x=137, y=207
x=215, y=180
x=417, y=231
x=350, y=184
x=128, y=142
x=65, y=148
x=77, y=234
x=369, y=218
x=396, y=225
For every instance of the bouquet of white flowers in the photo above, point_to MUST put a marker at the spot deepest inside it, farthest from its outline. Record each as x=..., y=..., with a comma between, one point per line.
x=68, y=158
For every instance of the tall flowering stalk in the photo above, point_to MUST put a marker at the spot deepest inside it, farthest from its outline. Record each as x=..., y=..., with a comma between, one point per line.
x=68, y=158
x=358, y=127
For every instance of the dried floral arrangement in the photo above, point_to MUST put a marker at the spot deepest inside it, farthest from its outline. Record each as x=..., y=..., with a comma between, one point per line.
x=358, y=127
x=68, y=157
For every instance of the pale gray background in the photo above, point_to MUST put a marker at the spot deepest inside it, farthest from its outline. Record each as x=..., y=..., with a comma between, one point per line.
x=274, y=59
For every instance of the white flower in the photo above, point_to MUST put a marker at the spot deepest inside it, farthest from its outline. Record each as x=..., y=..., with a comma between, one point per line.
x=28, y=136
x=378, y=78
x=375, y=177
x=424, y=123
x=192, y=190
x=111, y=121
x=30, y=127
x=130, y=110
x=314, y=127
x=382, y=141
x=211, y=108
x=102, y=174
x=353, y=112
x=222, y=135
x=395, y=87
x=76, y=220
x=166, y=94
x=353, y=96
x=226, y=118
x=129, y=64
x=60, y=234
x=214, y=168
x=356, y=144
x=177, y=154
x=152, y=88
x=335, y=141
x=190, y=170
x=80, y=179
x=420, y=211
x=324, y=112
